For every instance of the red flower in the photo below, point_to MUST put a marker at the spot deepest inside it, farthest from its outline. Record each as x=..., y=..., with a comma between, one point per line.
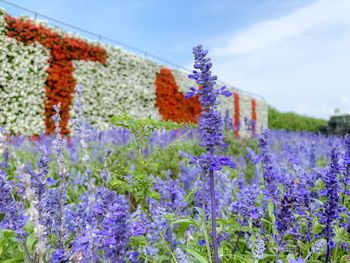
x=60, y=82
x=236, y=120
x=253, y=116
x=171, y=103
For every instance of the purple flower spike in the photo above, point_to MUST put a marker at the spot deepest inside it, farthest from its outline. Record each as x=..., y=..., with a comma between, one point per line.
x=330, y=214
x=210, y=126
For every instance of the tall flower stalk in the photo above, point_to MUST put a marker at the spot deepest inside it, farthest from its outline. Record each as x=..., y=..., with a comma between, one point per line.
x=210, y=126
x=346, y=178
x=331, y=209
x=34, y=216
x=81, y=132
x=62, y=173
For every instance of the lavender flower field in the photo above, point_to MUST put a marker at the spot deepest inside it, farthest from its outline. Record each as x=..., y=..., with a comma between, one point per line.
x=156, y=191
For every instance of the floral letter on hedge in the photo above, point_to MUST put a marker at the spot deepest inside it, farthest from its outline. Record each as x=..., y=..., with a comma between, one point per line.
x=171, y=103
x=63, y=49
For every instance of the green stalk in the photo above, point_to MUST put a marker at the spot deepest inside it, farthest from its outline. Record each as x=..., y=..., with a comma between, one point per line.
x=213, y=215
x=168, y=248
x=26, y=252
x=204, y=228
x=206, y=238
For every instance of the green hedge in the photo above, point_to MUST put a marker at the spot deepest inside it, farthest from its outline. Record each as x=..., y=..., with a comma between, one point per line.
x=293, y=122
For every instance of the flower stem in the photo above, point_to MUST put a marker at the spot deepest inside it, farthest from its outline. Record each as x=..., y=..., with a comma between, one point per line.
x=213, y=215
x=307, y=256
x=327, y=252
x=236, y=245
x=205, y=232
x=26, y=252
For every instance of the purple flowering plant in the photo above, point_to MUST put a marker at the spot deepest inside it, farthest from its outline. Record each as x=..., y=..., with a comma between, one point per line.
x=132, y=194
x=210, y=127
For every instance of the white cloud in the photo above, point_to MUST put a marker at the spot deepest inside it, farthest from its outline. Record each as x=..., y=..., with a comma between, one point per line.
x=276, y=32
x=300, y=59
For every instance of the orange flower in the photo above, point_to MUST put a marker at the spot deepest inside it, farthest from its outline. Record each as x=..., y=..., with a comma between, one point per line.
x=236, y=120
x=171, y=103
x=253, y=116
x=60, y=82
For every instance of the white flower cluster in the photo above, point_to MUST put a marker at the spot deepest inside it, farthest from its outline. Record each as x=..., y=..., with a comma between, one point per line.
x=261, y=115
x=2, y=22
x=125, y=84
x=182, y=80
x=22, y=85
x=34, y=215
x=2, y=141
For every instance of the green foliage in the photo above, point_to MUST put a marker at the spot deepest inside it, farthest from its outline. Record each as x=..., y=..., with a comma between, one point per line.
x=142, y=129
x=293, y=122
x=135, y=180
x=9, y=247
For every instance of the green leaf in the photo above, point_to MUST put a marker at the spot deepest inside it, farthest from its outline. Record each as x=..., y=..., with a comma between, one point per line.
x=197, y=256
x=13, y=260
x=30, y=242
x=8, y=233
x=119, y=185
x=154, y=195
x=266, y=221
x=185, y=220
x=270, y=209
x=183, y=225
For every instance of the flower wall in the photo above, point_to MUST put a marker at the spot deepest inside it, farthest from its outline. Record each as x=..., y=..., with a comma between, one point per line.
x=171, y=102
x=40, y=66
x=59, y=84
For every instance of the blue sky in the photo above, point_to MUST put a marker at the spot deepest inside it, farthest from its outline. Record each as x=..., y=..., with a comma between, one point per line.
x=295, y=53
